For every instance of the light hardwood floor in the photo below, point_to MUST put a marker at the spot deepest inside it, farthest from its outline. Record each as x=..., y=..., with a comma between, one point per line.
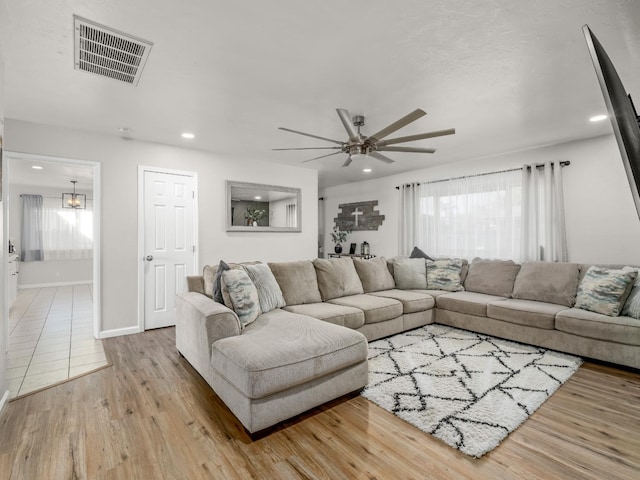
x=150, y=416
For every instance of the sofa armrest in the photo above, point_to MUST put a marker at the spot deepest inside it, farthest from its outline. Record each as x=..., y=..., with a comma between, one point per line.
x=200, y=321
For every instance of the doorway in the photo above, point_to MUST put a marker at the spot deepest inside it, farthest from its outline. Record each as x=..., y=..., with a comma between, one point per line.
x=167, y=241
x=54, y=325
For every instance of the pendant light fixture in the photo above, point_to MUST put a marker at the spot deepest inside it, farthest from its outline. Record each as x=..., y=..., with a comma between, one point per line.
x=74, y=200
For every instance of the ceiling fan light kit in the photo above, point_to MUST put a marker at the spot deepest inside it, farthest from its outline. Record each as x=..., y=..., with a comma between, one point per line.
x=359, y=145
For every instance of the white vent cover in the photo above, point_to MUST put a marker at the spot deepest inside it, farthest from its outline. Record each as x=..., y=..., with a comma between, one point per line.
x=107, y=52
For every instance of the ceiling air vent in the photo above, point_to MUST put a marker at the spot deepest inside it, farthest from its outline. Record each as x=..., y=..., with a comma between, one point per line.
x=107, y=52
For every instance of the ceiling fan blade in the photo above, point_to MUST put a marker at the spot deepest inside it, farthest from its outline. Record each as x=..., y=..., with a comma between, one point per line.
x=347, y=161
x=382, y=158
x=420, y=136
x=397, y=125
x=348, y=124
x=312, y=136
x=407, y=149
x=308, y=148
x=321, y=156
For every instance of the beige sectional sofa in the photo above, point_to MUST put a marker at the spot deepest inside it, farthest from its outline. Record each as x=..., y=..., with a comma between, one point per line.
x=314, y=348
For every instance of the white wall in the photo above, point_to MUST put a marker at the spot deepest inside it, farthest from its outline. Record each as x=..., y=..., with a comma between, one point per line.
x=602, y=224
x=46, y=272
x=119, y=169
x=4, y=326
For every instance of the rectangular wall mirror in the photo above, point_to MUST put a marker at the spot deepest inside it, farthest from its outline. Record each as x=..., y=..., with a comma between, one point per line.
x=253, y=207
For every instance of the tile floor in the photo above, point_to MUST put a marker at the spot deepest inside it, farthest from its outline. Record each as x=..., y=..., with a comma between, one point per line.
x=51, y=337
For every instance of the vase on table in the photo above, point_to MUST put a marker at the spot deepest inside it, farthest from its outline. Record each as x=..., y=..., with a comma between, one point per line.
x=337, y=248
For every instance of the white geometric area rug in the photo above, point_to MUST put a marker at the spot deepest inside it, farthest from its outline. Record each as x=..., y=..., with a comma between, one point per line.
x=470, y=390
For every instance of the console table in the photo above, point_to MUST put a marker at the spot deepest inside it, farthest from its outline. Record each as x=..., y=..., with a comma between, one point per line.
x=352, y=255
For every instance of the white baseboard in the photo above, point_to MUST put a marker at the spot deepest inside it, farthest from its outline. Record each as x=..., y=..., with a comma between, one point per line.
x=117, y=332
x=4, y=400
x=57, y=284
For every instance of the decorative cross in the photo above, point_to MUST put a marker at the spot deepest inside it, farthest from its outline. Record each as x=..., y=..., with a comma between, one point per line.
x=357, y=213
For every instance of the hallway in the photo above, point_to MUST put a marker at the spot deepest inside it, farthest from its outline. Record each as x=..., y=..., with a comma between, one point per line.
x=51, y=337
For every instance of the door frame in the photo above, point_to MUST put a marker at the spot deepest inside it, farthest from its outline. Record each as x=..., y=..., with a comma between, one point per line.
x=142, y=169
x=97, y=215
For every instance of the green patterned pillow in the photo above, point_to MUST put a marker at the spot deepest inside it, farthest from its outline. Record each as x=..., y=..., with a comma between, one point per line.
x=241, y=295
x=445, y=275
x=604, y=290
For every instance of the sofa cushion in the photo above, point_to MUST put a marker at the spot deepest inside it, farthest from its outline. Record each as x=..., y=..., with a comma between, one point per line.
x=269, y=293
x=240, y=295
x=470, y=303
x=525, y=312
x=445, y=274
x=212, y=272
x=550, y=282
x=337, y=277
x=412, y=301
x=376, y=309
x=330, y=312
x=493, y=277
x=601, y=327
x=418, y=253
x=410, y=273
x=297, y=281
x=282, y=349
x=374, y=274
x=604, y=290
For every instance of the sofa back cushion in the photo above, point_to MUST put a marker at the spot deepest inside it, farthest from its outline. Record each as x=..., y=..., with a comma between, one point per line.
x=374, y=274
x=297, y=281
x=551, y=282
x=337, y=277
x=410, y=273
x=605, y=290
x=493, y=277
x=269, y=293
x=445, y=274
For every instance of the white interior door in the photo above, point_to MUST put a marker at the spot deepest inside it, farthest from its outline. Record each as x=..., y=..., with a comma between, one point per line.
x=169, y=243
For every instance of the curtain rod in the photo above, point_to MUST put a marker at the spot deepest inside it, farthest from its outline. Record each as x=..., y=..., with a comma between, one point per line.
x=539, y=165
x=43, y=196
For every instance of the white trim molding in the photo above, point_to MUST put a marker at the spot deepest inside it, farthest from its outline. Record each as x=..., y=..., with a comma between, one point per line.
x=118, y=332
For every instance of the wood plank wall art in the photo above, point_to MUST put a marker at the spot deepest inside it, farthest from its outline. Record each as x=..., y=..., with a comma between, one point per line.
x=359, y=216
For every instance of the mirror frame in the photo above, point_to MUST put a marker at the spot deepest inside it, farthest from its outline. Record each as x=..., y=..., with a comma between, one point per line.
x=258, y=186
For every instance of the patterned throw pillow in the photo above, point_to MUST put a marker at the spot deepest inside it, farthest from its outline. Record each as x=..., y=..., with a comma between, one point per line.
x=632, y=305
x=604, y=290
x=269, y=293
x=241, y=294
x=410, y=273
x=445, y=275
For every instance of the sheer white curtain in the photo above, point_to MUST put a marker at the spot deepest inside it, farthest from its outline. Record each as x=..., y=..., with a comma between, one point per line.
x=67, y=232
x=31, y=249
x=291, y=215
x=544, y=234
x=475, y=216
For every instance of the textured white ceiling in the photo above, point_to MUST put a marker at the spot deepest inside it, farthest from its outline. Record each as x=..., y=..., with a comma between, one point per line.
x=507, y=74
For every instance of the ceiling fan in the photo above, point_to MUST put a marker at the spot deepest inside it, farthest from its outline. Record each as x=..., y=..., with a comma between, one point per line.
x=373, y=145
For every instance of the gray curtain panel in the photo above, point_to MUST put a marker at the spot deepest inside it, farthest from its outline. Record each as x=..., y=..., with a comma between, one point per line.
x=31, y=239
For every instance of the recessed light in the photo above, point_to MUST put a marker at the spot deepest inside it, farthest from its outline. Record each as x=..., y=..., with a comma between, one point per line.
x=188, y=135
x=366, y=170
x=257, y=197
x=598, y=118
x=36, y=167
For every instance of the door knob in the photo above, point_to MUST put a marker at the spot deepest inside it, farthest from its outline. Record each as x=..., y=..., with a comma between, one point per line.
x=149, y=258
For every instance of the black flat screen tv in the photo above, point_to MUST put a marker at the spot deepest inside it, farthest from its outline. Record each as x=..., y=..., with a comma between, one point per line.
x=623, y=116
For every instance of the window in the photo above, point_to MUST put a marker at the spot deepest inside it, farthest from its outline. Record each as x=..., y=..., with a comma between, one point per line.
x=67, y=233
x=469, y=217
